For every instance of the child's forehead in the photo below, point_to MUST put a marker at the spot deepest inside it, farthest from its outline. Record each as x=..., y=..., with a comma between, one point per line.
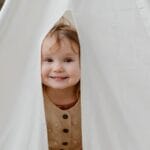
x=49, y=42
x=58, y=50
x=64, y=46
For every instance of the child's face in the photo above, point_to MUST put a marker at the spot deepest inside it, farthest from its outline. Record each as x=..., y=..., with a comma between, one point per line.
x=60, y=68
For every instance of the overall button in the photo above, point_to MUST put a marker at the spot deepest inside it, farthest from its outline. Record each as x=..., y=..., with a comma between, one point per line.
x=65, y=116
x=65, y=143
x=65, y=130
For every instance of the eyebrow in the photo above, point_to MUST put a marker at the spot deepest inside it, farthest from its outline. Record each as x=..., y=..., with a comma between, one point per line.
x=65, y=55
x=70, y=54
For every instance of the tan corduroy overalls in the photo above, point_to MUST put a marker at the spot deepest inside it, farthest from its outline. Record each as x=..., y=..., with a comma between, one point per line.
x=63, y=126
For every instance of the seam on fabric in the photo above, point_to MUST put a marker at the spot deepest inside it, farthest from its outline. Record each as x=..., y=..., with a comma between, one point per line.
x=144, y=10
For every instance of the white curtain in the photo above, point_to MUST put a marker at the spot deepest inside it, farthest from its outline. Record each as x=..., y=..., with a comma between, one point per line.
x=115, y=60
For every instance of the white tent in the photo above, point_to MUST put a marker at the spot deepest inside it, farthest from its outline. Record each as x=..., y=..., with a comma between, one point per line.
x=115, y=59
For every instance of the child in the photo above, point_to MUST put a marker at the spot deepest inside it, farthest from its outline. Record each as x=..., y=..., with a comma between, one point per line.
x=60, y=71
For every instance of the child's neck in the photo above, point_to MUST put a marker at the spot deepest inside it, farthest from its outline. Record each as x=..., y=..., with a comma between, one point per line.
x=63, y=98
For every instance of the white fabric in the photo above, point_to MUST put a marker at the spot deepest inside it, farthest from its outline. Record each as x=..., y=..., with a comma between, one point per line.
x=115, y=60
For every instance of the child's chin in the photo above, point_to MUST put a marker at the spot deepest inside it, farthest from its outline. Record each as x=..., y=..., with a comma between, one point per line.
x=58, y=87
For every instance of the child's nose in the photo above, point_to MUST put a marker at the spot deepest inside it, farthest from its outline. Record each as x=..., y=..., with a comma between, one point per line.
x=58, y=67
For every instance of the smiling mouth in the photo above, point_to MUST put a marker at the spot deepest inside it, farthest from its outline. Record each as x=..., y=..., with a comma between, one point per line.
x=58, y=78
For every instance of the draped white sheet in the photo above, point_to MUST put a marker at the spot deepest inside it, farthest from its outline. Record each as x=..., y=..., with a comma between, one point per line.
x=115, y=60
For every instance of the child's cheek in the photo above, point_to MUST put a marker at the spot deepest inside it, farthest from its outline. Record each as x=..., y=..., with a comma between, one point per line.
x=43, y=70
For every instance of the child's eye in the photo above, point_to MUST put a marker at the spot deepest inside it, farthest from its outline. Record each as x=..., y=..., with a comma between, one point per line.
x=49, y=60
x=68, y=60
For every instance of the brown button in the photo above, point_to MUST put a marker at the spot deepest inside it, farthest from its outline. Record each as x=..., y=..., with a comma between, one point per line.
x=65, y=130
x=61, y=149
x=65, y=143
x=65, y=116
